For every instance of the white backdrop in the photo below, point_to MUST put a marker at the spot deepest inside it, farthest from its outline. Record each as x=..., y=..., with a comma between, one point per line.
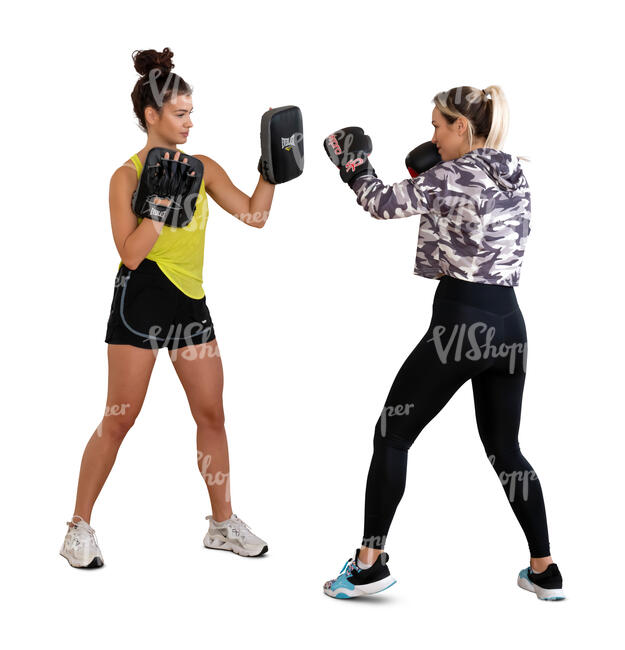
x=314, y=315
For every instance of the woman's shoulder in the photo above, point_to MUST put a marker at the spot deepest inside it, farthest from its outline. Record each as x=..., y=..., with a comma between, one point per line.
x=126, y=173
x=213, y=171
x=208, y=163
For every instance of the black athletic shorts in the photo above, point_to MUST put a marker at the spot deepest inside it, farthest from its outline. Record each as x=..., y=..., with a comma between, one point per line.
x=149, y=311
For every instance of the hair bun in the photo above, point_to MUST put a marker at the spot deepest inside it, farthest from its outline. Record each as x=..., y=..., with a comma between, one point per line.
x=146, y=60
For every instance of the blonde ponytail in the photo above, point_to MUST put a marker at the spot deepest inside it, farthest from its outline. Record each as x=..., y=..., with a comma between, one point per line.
x=486, y=112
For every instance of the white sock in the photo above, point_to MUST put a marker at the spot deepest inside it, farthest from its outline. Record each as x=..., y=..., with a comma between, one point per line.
x=362, y=565
x=219, y=523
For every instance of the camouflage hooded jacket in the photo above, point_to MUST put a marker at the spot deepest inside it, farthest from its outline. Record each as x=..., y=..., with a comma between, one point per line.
x=475, y=214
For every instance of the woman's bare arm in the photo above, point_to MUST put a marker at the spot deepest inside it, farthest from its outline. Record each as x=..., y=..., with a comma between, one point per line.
x=133, y=242
x=254, y=210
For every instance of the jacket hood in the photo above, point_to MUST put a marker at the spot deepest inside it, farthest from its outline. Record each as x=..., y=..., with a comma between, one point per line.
x=503, y=168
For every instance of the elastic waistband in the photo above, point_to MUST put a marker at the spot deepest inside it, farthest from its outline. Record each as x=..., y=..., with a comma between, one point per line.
x=495, y=298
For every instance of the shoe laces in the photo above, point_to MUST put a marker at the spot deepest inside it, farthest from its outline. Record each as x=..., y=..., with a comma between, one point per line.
x=241, y=528
x=241, y=523
x=84, y=526
x=350, y=567
x=238, y=525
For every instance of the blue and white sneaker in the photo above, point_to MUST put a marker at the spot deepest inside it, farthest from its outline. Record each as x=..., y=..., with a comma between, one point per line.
x=547, y=585
x=353, y=581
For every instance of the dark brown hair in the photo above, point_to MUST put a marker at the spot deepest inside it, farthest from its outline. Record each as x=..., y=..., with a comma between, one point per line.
x=486, y=112
x=157, y=84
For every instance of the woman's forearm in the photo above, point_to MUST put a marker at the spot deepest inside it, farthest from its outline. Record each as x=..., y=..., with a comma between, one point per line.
x=140, y=242
x=260, y=204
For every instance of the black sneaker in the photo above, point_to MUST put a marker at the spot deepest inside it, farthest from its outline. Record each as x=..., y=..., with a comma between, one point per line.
x=353, y=581
x=546, y=585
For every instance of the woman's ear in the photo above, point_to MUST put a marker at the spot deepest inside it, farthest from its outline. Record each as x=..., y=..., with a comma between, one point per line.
x=150, y=115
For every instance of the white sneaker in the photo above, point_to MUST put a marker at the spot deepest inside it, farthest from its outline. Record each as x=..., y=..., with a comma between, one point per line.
x=80, y=547
x=234, y=535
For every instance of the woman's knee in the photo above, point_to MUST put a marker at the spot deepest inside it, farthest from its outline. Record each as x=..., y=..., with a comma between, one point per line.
x=116, y=423
x=398, y=424
x=209, y=418
x=503, y=454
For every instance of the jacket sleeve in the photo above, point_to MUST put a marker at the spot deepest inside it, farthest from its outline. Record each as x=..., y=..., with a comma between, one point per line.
x=410, y=197
x=403, y=199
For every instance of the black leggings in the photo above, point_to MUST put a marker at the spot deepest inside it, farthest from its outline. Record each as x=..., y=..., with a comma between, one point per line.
x=477, y=332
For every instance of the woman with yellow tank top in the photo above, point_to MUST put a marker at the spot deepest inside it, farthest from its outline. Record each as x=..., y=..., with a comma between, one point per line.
x=159, y=301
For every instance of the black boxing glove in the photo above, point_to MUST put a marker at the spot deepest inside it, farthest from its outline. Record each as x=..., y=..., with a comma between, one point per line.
x=422, y=158
x=349, y=150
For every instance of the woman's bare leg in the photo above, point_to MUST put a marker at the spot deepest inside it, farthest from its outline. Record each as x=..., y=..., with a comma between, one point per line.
x=130, y=369
x=201, y=374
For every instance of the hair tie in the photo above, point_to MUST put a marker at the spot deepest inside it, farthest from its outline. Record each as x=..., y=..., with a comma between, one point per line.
x=486, y=95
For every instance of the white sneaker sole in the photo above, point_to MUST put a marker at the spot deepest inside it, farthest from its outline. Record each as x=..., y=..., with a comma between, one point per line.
x=543, y=594
x=361, y=590
x=95, y=563
x=225, y=545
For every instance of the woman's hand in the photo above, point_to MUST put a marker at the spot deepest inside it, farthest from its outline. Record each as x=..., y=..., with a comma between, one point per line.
x=165, y=187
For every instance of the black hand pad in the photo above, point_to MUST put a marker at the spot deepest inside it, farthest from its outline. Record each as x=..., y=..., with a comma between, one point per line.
x=282, y=144
x=168, y=179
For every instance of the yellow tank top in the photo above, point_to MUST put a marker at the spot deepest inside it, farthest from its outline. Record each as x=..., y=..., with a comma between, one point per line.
x=179, y=252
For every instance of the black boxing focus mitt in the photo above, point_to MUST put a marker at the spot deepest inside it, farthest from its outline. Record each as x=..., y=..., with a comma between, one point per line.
x=281, y=144
x=168, y=188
